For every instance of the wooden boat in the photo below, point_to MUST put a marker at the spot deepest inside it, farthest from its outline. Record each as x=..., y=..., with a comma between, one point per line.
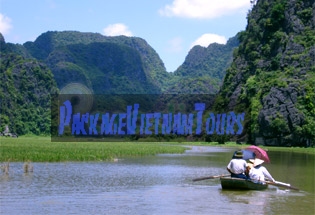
x=241, y=184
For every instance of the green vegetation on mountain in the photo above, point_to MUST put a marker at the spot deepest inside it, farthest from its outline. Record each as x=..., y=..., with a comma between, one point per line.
x=272, y=77
x=128, y=64
x=211, y=61
x=203, y=69
x=193, y=85
x=120, y=65
x=25, y=90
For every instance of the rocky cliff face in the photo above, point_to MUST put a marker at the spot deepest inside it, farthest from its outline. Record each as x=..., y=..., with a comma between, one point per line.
x=272, y=77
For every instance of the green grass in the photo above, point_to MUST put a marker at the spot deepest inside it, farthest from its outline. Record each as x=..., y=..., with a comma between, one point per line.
x=41, y=149
x=292, y=149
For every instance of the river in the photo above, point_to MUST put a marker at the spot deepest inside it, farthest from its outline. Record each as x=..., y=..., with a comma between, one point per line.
x=159, y=184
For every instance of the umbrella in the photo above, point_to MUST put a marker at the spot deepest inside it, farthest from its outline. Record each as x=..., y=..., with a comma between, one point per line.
x=259, y=152
x=247, y=154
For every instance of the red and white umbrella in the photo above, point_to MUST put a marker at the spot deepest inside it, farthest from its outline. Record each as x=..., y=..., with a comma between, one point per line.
x=259, y=152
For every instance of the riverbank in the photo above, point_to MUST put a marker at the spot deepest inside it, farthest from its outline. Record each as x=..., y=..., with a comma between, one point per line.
x=310, y=150
x=41, y=149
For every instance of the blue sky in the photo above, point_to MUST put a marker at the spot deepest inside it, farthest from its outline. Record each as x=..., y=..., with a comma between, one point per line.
x=171, y=27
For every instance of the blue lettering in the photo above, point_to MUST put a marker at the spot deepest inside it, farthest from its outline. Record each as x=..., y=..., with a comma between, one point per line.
x=200, y=107
x=93, y=123
x=78, y=123
x=107, y=124
x=167, y=123
x=121, y=124
x=212, y=118
x=142, y=123
x=132, y=121
x=149, y=116
x=157, y=117
x=180, y=124
x=240, y=117
x=187, y=124
x=177, y=128
x=223, y=117
x=217, y=125
x=231, y=119
x=105, y=118
x=65, y=119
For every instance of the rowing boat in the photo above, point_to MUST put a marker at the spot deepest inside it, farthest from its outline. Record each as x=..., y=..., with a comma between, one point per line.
x=241, y=184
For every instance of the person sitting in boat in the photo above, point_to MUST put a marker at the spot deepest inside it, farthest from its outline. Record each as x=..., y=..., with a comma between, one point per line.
x=257, y=165
x=255, y=175
x=237, y=166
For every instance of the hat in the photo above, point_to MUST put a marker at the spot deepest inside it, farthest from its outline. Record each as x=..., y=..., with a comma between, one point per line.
x=238, y=154
x=256, y=161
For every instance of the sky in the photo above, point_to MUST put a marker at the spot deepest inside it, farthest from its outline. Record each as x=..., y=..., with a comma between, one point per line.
x=170, y=27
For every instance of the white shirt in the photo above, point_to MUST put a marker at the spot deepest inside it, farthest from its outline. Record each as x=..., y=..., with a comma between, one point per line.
x=265, y=172
x=256, y=175
x=237, y=166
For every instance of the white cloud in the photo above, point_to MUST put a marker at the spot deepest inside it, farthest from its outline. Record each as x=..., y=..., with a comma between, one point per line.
x=204, y=9
x=206, y=39
x=5, y=24
x=117, y=30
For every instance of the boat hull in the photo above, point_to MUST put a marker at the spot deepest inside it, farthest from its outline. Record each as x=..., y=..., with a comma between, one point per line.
x=241, y=184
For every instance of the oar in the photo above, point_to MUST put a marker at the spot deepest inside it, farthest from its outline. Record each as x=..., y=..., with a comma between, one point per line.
x=281, y=184
x=210, y=177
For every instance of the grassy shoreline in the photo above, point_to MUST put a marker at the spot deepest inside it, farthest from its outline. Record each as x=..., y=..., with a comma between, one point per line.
x=41, y=149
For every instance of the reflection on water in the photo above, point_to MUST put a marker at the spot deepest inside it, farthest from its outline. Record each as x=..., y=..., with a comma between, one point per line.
x=155, y=185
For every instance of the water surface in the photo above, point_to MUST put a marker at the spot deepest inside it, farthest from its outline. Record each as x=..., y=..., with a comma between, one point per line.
x=159, y=184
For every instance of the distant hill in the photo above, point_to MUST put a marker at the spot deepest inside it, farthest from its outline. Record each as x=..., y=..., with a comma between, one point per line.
x=128, y=64
x=272, y=77
x=211, y=61
x=104, y=64
x=204, y=68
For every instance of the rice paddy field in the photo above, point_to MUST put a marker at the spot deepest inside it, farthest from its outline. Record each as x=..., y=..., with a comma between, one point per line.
x=41, y=149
